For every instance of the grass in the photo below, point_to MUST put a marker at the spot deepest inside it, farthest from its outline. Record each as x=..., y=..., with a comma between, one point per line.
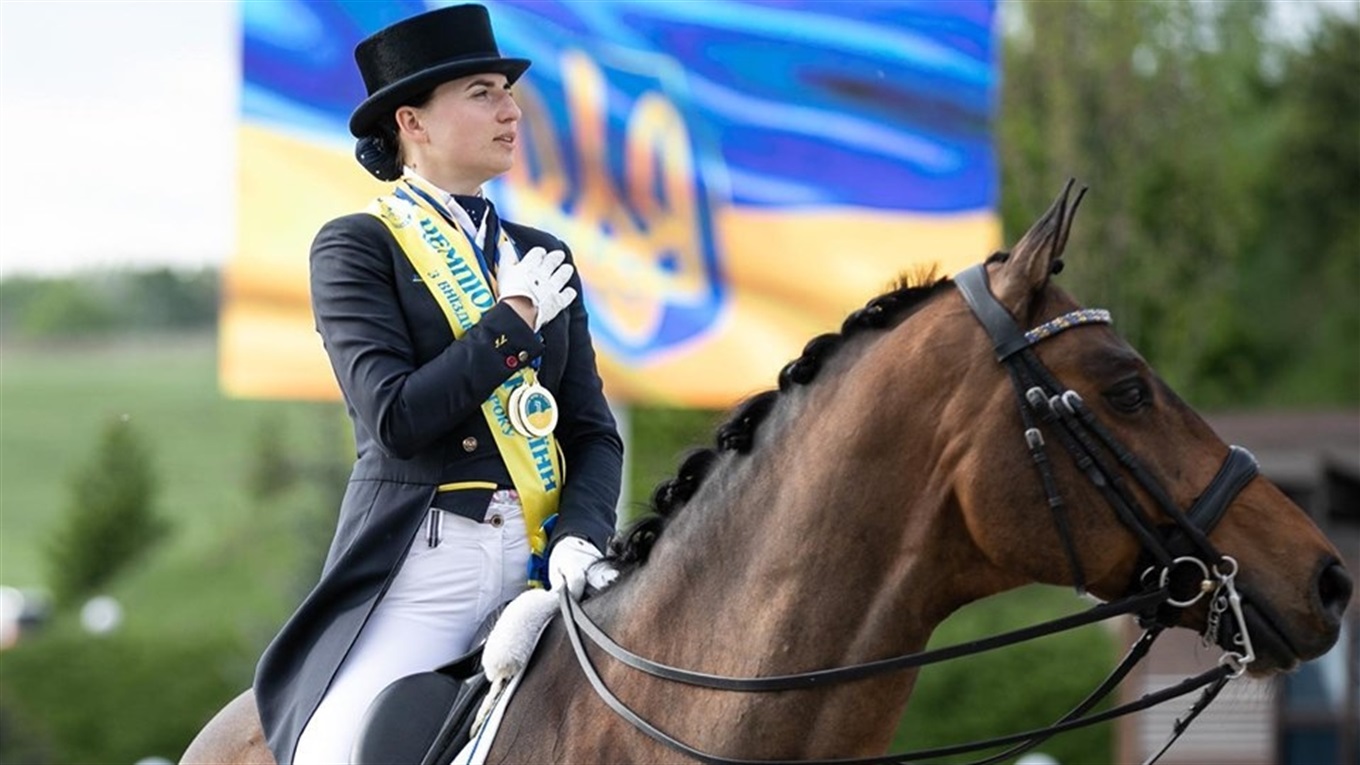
x=55, y=400
x=201, y=606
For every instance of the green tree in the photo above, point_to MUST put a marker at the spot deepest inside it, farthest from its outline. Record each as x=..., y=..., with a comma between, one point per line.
x=1221, y=228
x=108, y=301
x=165, y=298
x=65, y=308
x=70, y=699
x=111, y=521
x=1306, y=309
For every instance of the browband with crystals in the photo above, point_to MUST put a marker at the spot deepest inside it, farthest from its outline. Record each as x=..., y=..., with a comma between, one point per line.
x=1067, y=321
x=1007, y=339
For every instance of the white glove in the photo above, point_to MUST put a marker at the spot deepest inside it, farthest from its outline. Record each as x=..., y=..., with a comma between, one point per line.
x=542, y=277
x=574, y=563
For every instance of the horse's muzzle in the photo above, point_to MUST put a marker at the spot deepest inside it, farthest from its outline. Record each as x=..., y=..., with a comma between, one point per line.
x=1281, y=644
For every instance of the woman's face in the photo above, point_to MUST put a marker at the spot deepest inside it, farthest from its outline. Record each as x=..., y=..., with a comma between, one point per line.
x=464, y=135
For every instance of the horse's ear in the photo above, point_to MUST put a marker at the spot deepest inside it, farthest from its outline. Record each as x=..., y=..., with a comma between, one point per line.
x=1038, y=254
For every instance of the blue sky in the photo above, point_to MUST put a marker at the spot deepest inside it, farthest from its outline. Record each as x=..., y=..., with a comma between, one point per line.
x=117, y=122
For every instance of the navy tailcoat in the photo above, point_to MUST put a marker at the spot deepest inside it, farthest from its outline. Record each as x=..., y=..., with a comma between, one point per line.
x=414, y=395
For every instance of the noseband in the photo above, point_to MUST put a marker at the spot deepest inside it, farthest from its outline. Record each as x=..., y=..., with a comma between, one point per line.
x=1179, y=564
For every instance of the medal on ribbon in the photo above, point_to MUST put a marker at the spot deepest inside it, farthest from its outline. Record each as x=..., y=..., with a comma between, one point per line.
x=533, y=410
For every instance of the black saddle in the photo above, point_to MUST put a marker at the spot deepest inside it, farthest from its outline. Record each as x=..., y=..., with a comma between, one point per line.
x=427, y=717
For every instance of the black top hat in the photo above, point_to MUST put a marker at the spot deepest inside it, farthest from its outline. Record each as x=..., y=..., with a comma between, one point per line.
x=422, y=52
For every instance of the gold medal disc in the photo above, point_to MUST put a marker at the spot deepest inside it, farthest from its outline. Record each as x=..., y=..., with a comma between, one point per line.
x=533, y=410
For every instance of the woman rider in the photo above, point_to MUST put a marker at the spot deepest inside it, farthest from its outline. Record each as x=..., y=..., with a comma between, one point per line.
x=463, y=351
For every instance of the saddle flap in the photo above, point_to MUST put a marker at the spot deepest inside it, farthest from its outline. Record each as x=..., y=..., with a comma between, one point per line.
x=420, y=718
x=404, y=719
x=428, y=716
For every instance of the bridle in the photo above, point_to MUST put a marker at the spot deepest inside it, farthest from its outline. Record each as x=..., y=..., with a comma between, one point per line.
x=1087, y=441
x=1179, y=564
x=1181, y=556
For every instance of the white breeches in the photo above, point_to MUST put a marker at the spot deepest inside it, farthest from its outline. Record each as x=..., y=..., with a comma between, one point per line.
x=439, y=598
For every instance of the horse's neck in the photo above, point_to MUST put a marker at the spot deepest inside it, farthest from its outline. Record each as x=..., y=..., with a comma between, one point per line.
x=806, y=556
x=817, y=550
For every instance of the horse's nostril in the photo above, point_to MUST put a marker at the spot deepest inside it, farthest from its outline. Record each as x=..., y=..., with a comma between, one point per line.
x=1334, y=589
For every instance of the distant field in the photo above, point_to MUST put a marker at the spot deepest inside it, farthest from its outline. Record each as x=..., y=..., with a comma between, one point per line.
x=55, y=401
x=201, y=605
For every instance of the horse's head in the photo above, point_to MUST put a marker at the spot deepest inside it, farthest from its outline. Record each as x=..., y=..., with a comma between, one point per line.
x=1125, y=432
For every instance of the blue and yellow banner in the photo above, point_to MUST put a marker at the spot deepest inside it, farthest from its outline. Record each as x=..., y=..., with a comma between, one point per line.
x=732, y=177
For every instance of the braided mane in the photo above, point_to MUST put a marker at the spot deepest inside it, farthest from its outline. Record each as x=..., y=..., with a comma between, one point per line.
x=737, y=434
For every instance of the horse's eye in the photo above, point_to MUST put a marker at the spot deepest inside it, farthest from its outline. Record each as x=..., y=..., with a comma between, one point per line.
x=1128, y=396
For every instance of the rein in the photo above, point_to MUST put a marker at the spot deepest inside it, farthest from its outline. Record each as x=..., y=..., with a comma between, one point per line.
x=1176, y=575
x=576, y=621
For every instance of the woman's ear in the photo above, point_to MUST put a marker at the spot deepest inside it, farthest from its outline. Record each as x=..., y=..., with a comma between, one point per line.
x=409, y=124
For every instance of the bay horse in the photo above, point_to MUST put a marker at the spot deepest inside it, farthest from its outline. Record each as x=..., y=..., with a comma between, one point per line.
x=886, y=483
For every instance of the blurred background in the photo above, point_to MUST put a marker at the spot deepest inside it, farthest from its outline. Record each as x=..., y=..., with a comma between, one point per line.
x=171, y=451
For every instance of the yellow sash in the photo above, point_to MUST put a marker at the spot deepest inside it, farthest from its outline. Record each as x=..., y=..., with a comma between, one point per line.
x=443, y=256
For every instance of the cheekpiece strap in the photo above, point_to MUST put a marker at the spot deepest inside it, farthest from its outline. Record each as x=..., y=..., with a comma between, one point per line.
x=1006, y=336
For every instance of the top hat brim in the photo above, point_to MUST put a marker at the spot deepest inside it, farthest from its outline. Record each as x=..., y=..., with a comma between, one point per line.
x=386, y=100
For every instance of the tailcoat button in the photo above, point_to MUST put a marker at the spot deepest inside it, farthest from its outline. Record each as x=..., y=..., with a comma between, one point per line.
x=469, y=444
